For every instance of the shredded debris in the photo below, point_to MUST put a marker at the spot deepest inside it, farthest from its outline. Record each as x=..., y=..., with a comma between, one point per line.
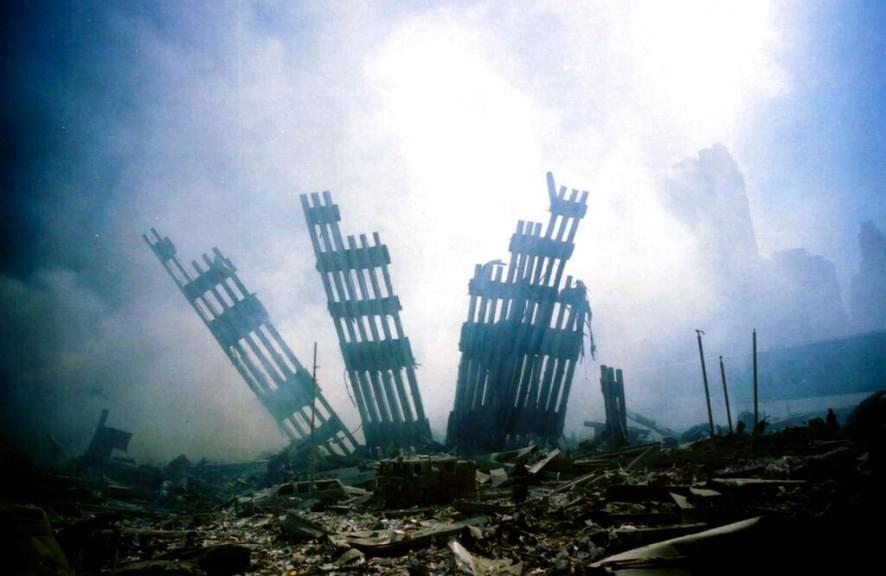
x=796, y=500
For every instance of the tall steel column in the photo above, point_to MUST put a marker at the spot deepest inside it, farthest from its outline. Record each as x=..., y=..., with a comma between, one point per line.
x=241, y=326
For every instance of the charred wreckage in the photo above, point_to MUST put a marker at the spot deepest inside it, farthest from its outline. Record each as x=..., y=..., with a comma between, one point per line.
x=506, y=494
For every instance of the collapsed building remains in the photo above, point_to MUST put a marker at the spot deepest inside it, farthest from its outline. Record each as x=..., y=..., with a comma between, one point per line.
x=801, y=500
x=612, y=385
x=241, y=326
x=523, y=336
x=425, y=480
x=366, y=314
x=104, y=441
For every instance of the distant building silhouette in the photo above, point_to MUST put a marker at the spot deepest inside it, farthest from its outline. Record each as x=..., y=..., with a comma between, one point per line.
x=792, y=297
x=804, y=299
x=868, y=290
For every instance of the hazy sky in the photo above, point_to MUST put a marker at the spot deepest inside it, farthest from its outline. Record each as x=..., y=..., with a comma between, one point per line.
x=433, y=124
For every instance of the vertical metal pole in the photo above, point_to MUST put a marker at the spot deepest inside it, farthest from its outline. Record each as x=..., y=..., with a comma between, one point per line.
x=726, y=395
x=704, y=375
x=756, y=413
x=311, y=462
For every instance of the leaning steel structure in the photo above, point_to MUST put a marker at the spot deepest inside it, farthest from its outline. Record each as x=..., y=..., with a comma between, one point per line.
x=523, y=336
x=366, y=314
x=242, y=327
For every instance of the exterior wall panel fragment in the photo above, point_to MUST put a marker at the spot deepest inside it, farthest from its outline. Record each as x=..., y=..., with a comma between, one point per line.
x=523, y=336
x=366, y=314
x=241, y=326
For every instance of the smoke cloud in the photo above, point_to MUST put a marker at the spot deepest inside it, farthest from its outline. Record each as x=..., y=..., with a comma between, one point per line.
x=432, y=125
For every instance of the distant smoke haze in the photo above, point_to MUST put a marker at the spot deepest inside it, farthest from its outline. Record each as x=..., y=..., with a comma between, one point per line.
x=433, y=126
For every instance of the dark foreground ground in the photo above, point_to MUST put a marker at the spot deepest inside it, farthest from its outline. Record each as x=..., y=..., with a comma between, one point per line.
x=803, y=500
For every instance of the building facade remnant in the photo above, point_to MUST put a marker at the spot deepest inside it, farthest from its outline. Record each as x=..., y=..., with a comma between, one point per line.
x=523, y=336
x=104, y=441
x=242, y=327
x=423, y=480
x=612, y=385
x=366, y=314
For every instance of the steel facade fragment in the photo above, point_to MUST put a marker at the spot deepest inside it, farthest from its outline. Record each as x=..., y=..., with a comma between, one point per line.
x=523, y=336
x=241, y=326
x=366, y=314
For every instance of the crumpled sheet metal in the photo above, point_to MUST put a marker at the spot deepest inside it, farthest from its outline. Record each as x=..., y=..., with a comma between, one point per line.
x=758, y=545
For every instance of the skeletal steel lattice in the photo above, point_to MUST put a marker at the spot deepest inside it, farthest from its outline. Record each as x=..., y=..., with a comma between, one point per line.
x=366, y=314
x=523, y=336
x=241, y=326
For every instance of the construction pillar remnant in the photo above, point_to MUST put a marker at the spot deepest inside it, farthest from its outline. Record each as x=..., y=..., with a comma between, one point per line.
x=241, y=326
x=613, y=387
x=704, y=375
x=366, y=314
x=523, y=336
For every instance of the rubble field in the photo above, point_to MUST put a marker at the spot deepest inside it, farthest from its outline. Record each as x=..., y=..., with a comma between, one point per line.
x=804, y=499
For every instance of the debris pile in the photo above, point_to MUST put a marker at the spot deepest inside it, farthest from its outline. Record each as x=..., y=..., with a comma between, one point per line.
x=795, y=500
x=425, y=480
